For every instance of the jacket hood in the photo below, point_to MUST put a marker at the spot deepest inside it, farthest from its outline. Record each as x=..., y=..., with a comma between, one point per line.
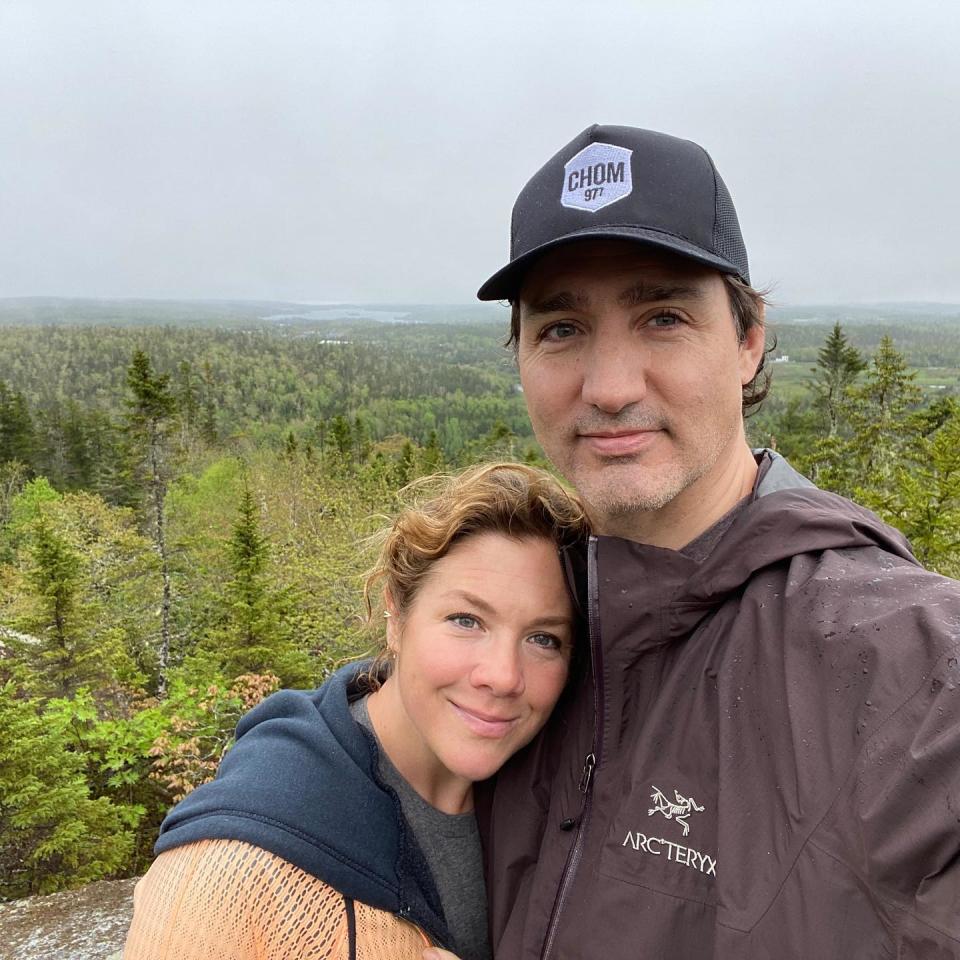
x=786, y=516
x=301, y=782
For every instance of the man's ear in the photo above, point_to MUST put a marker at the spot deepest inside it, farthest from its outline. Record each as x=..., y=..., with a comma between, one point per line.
x=751, y=350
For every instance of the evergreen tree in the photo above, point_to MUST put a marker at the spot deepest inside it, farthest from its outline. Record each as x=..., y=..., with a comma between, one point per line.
x=13, y=478
x=879, y=410
x=361, y=440
x=861, y=461
x=256, y=639
x=78, y=469
x=150, y=414
x=838, y=365
x=404, y=469
x=924, y=499
x=187, y=396
x=63, y=628
x=52, y=834
x=342, y=436
x=17, y=436
x=432, y=459
x=208, y=424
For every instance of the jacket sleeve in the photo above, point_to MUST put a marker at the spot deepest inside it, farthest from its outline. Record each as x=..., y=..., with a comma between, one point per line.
x=229, y=900
x=896, y=820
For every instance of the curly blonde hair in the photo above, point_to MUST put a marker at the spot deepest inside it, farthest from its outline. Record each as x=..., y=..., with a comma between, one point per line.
x=512, y=499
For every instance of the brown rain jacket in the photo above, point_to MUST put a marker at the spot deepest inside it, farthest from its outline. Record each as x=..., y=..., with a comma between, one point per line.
x=763, y=761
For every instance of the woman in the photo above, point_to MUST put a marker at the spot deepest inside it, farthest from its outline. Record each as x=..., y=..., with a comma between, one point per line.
x=340, y=825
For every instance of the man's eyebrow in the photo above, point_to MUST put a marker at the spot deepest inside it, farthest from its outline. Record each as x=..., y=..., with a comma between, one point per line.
x=563, y=302
x=641, y=293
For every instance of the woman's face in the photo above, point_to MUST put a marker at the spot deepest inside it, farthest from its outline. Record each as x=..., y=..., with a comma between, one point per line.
x=482, y=653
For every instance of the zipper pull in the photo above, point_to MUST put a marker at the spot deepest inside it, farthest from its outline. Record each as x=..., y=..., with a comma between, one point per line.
x=587, y=776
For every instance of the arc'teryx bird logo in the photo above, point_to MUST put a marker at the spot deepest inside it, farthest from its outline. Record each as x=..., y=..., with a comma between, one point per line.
x=678, y=811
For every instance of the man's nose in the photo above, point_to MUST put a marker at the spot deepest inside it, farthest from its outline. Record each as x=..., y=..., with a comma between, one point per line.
x=499, y=668
x=614, y=374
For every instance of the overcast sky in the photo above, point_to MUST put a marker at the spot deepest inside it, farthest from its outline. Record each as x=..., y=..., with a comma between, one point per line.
x=370, y=150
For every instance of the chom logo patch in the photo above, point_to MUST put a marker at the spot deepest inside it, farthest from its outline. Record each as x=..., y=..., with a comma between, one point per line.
x=596, y=177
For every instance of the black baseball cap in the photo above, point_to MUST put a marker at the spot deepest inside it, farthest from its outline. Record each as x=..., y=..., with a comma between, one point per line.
x=623, y=183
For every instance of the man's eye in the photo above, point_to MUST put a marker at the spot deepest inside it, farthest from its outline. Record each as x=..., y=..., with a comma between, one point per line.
x=465, y=620
x=665, y=320
x=558, y=331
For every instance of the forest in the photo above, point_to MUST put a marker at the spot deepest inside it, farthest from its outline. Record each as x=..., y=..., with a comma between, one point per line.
x=187, y=496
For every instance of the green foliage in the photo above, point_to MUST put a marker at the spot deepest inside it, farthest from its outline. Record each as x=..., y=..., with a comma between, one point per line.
x=78, y=572
x=256, y=636
x=838, y=364
x=152, y=402
x=17, y=438
x=53, y=834
x=859, y=457
x=268, y=458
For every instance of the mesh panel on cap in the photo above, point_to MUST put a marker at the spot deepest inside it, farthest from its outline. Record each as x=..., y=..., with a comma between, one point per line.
x=726, y=230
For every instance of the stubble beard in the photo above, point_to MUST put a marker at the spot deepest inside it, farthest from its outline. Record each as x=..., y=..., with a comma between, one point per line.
x=619, y=490
x=611, y=504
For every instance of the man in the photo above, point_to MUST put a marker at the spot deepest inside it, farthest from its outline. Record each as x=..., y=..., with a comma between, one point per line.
x=763, y=759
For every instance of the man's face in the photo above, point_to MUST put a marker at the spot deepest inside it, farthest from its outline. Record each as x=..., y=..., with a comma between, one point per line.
x=632, y=373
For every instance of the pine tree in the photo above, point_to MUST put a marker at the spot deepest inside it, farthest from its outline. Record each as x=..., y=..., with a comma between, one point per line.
x=879, y=409
x=432, y=459
x=208, y=424
x=52, y=834
x=187, y=396
x=78, y=462
x=361, y=439
x=404, y=469
x=150, y=414
x=861, y=460
x=838, y=365
x=17, y=436
x=64, y=648
x=924, y=498
x=255, y=639
x=342, y=436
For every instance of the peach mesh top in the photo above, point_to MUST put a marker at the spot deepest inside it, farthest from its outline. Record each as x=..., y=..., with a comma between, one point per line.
x=229, y=900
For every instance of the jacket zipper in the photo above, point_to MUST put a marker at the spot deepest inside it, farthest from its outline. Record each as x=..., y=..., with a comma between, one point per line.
x=592, y=758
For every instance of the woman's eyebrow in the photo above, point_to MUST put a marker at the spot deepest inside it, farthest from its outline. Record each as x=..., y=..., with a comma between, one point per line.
x=471, y=599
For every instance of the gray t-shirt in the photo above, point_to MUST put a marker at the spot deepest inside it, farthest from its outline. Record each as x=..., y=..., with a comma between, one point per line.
x=451, y=845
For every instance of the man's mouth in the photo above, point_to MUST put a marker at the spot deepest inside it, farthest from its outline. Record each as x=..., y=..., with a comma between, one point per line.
x=618, y=443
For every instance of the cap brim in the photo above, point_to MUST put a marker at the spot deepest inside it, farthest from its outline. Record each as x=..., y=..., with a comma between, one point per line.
x=505, y=283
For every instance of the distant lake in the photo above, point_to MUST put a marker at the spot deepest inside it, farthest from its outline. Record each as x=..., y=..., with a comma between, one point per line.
x=344, y=313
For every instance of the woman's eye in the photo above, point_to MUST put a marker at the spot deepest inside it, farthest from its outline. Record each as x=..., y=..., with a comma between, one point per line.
x=464, y=620
x=558, y=331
